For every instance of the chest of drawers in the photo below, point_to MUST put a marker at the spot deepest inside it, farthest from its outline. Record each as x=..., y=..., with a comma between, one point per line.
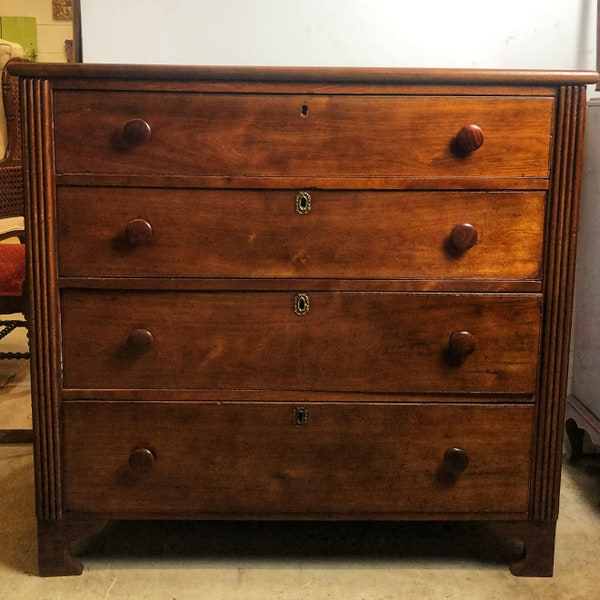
x=299, y=294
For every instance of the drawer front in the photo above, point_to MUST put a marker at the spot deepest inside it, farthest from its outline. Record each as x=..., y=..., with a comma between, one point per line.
x=292, y=135
x=106, y=232
x=388, y=342
x=345, y=459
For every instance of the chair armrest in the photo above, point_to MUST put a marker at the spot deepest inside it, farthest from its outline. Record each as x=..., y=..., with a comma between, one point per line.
x=12, y=227
x=8, y=50
x=12, y=116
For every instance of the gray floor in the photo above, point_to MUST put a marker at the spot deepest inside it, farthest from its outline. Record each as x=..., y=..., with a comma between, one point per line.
x=171, y=560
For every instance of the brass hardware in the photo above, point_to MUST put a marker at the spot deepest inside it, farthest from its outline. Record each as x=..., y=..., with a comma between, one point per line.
x=300, y=416
x=301, y=304
x=303, y=200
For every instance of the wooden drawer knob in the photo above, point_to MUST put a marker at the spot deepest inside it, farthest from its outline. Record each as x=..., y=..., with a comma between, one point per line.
x=468, y=139
x=137, y=132
x=455, y=460
x=462, y=343
x=138, y=232
x=139, y=341
x=142, y=460
x=463, y=236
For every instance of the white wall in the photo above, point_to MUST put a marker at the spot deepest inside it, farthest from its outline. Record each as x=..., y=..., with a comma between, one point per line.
x=51, y=34
x=545, y=34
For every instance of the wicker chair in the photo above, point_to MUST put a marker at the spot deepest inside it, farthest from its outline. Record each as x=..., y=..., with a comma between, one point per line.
x=12, y=255
x=11, y=170
x=12, y=251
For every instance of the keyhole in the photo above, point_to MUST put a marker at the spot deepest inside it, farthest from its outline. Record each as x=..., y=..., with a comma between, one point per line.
x=303, y=201
x=301, y=304
x=300, y=416
x=304, y=110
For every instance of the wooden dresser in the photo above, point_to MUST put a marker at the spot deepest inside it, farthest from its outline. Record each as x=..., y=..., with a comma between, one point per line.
x=299, y=294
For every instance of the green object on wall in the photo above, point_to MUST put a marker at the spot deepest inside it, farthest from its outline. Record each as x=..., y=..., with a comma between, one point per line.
x=21, y=30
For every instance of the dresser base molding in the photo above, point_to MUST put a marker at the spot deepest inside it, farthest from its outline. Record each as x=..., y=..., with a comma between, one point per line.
x=527, y=547
x=578, y=421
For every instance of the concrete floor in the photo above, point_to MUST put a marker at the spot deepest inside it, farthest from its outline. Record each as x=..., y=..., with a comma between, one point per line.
x=248, y=561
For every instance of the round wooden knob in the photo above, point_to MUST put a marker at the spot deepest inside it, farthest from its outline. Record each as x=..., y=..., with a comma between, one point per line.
x=138, y=232
x=463, y=236
x=137, y=132
x=469, y=139
x=139, y=341
x=462, y=343
x=456, y=460
x=142, y=460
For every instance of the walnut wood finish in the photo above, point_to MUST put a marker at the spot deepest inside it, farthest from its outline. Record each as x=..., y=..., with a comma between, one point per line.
x=56, y=540
x=537, y=539
x=346, y=341
x=456, y=460
x=139, y=341
x=199, y=467
x=142, y=460
x=464, y=236
x=462, y=344
x=237, y=233
x=267, y=135
x=137, y=132
x=42, y=293
x=559, y=274
x=242, y=407
x=488, y=81
x=138, y=232
x=468, y=139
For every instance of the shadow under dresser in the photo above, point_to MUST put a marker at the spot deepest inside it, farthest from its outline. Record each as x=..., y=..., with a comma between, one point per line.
x=271, y=293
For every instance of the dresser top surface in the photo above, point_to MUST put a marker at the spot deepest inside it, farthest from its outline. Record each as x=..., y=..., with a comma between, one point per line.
x=362, y=75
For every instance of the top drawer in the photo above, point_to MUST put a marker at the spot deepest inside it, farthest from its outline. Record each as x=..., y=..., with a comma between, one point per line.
x=316, y=136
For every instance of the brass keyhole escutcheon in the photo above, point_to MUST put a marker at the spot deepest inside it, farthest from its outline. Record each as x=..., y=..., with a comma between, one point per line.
x=301, y=304
x=300, y=416
x=303, y=203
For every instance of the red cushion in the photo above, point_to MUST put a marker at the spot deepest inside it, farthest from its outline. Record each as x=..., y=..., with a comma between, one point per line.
x=12, y=269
